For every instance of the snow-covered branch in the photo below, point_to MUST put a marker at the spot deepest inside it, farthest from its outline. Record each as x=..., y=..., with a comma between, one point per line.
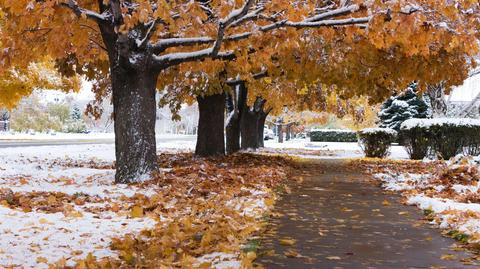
x=334, y=13
x=79, y=11
x=181, y=57
x=237, y=17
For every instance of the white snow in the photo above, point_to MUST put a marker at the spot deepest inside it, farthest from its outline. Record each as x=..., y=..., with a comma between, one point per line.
x=332, y=130
x=337, y=150
x=426, y=123
x=378, y=130
x=450, y=209
x=29, y=237
x=33, y=239
x=440, y=205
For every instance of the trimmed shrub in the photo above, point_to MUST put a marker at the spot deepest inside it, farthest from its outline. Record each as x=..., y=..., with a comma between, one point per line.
x=416, y=142
x=332, y=135
x=445, y=137
x=375, y=142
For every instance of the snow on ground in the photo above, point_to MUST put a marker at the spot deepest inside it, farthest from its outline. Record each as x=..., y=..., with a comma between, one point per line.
x=451, y=195
x=305, y=148
x=42, y=222
x=30, y=240
x=8, y=136
x=33, y=238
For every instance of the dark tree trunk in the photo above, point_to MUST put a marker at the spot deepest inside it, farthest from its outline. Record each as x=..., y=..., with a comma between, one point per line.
x=249, y=129
x=251, y=123
x=134, y=108
x=261, y=126
x=287, y=132
x=232, y=129
x=280, y=133
x=210, y=137
x=236, y=102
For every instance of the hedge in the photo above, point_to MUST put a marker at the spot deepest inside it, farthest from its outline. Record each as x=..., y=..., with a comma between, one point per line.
x=375, y=142
x=444, y=137
x=332, y=135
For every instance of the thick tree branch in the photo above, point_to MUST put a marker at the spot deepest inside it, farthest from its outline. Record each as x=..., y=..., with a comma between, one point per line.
x=73, y=5
x=237, y=17
x=181, y=57
x=116, y=9
x=334, y=13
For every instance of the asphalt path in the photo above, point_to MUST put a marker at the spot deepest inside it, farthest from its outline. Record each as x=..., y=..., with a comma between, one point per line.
x=338, y=219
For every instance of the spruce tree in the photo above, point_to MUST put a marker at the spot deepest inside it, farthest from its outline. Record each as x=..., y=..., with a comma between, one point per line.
x=76, y=114
x=400, y=108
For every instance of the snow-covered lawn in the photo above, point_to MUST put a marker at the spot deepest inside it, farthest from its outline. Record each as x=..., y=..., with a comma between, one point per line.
x=449, y=194
x=39, y=225
x=9, y=136
x=305, y=148
x=59, y=203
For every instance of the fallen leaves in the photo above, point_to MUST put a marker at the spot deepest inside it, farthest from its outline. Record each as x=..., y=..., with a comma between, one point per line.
x=448, y=257
x=136, y=212
x=206, y=206
x=287, y=241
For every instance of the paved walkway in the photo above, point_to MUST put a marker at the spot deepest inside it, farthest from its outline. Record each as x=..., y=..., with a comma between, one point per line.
x=340, y=221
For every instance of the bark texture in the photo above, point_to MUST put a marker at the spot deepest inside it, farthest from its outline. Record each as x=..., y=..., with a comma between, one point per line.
x=251, y=124
x=280, y=133
x=134, y=108
x=210, y=138
x=249, y=129
x=260, y=127
x=235, y=104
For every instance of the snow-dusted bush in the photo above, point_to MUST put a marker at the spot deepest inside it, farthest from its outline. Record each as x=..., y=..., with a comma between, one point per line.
x=416, y=141
x=446, y=137
x=332, y=135
x=375, y=142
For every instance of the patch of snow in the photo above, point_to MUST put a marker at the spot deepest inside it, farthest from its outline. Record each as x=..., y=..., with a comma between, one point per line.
x=426, y=123
x=378, y=130
x=439, y=205
x=36, y=235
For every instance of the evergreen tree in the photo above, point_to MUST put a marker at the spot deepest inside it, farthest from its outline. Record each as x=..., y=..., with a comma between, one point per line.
x=400, y=108
x=76, y=114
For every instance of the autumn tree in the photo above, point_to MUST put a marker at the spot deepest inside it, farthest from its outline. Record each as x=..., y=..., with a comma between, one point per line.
x=135, y=42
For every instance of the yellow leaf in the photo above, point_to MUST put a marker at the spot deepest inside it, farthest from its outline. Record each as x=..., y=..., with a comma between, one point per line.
x=136, y=212
x=41, y=260
x=51, y=200
x=287, y=241
x=448, y=257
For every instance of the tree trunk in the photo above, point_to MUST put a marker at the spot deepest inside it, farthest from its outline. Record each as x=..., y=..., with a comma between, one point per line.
x=134, y=108
x=261, y=127
x=236, y=102
x=249, y=129
x=280, y=133
x=287, y=132
x=210, y=137
x=232, y=128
